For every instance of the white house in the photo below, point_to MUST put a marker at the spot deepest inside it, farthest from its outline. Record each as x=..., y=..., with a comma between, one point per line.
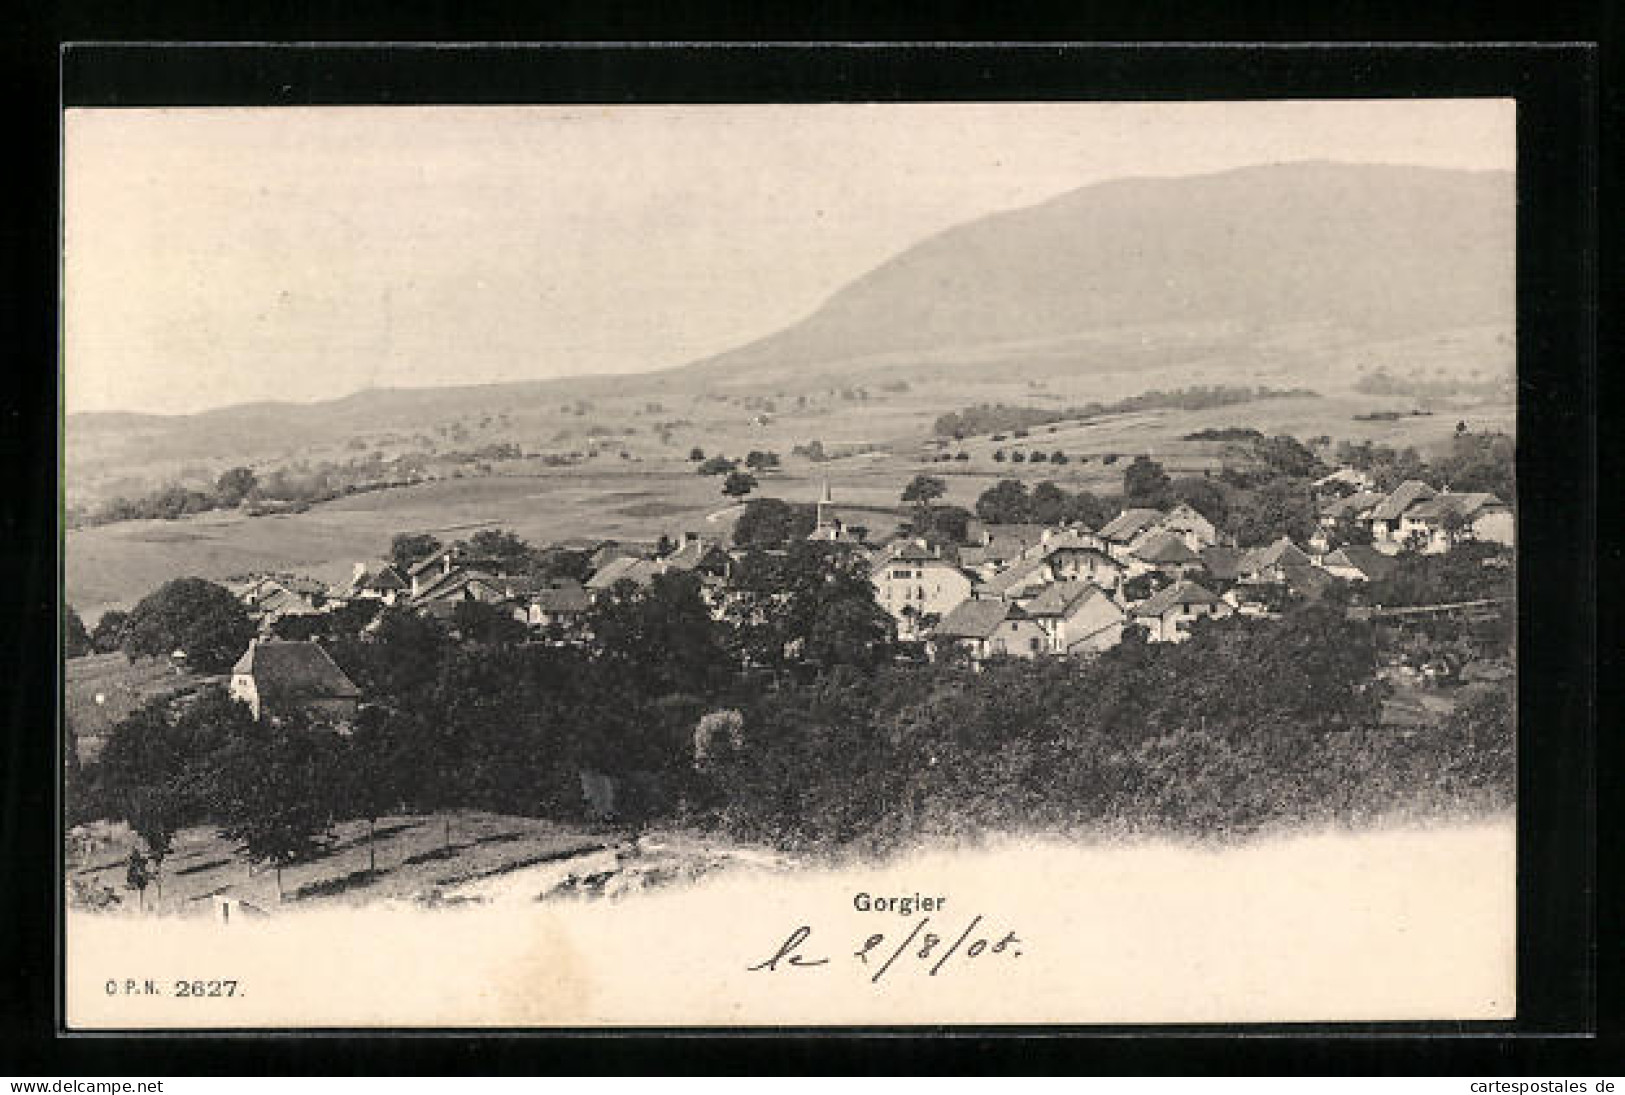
x=917, y=586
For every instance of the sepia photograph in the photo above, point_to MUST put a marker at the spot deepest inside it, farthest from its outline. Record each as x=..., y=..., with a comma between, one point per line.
x=805, y=564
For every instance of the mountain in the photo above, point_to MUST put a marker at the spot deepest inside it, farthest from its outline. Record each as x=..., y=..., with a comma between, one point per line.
x=1369, y=253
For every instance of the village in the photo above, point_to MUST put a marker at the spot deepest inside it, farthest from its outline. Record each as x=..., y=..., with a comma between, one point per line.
x=1009, y=590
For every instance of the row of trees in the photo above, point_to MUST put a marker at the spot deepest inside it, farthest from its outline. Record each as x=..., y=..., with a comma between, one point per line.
x=1247, y=724
x=990, y=418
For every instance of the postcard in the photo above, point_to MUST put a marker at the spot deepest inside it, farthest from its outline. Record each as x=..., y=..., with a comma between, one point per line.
x=761, y=565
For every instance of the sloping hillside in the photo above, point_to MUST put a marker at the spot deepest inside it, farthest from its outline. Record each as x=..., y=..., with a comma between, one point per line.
x=1373, y=253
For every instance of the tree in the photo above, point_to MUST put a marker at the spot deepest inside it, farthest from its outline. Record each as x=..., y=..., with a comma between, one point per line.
x=155, y=815
x=771, y=522
x=274, y=793
x=136, y=875
x=371, y=775
x=696, y=454
x=1202, y=495
x=1006, y=502
x=487, y=625
x=1145, y=483
x=659, y=640
x=500, y=546
x=235, y=485
x=1480, y=462
x=1280, y=507
x=738, y=484
x=75, y=639
x=1285, y=455
x=923, y=490
x=199, y=618
x=717, y=465
x=108, y=634
x=408, y=548
x=761, y=461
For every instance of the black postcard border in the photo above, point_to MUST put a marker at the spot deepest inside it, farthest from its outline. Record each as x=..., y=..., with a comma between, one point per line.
x=1556, y=86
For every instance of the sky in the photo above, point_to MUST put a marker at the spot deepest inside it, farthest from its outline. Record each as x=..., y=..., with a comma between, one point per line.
x=218, y=256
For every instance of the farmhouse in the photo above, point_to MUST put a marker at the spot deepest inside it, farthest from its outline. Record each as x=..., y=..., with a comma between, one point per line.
x=1166, y=553
x=1129, y=529
x=1268, y=564
x=1386, y=516
x=278, y=678
x=1167, y=614
x=987, y=628
x=1190, y=526
x=376, y=581
x=1357, y=563
x=1078, y=617
x=1441, y=520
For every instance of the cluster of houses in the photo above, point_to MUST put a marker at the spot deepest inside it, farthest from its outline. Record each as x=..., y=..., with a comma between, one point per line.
x=1018, y=590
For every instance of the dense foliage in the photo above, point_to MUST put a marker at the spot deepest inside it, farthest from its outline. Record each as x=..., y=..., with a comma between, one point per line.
x=991, y=418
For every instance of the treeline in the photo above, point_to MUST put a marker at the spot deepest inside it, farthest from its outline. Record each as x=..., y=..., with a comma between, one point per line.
x=997, y=417
x=1476, y=461
x=1249, y=724
x=1382, y=382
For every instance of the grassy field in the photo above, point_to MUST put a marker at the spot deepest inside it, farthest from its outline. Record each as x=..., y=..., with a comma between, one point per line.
x=639, y=485
x=100, y=689
x=414, y=858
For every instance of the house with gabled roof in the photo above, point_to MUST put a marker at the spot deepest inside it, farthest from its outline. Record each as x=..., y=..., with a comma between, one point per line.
x=278, y=678
x=1018, y=580
x=1125, y=532
x=1079, y=555
x=1357, y=563
x=376, y=581
x=995, y=546
x=1386, y=516
x=461, y=585
x=550, y=603
x=1221, y=565
x=623, y=568
x=699, y=555
x=1187, y=522
x=917, y=586
x=1167, y=553
x=1268, y=563
x=987, y=628
x=1450, y=516
x=1167, y=614
x=1078, y=617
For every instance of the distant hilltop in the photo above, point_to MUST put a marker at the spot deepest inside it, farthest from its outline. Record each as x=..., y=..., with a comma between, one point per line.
x=1374, y=252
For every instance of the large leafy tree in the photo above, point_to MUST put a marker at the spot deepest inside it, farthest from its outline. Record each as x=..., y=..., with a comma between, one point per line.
x=1145, y=483
x=1280, y=507
x=197, y=617
x=772, y=522
x=812, y=602
x=408, y=548
x=502, y=547
x=1005, y=502
x=275, y=793
x=108, y=634
x=660, y=639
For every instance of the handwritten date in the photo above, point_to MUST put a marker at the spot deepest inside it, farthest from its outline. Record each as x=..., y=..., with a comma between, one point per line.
x=921, y=947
